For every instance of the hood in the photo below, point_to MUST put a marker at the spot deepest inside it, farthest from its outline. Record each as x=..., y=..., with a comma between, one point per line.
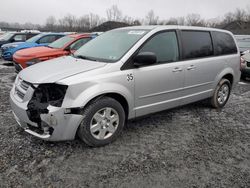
x=57, y=69
x=26, y=45
x=37, y=52
x=11, y=44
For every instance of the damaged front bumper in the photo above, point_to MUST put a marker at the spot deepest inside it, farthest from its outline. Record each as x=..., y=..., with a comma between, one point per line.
x=56, y=123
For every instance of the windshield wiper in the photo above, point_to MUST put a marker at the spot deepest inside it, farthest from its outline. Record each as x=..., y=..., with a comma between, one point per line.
x=84, y=57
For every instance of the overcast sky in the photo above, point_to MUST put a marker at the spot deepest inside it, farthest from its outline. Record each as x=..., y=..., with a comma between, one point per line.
x=36, y=11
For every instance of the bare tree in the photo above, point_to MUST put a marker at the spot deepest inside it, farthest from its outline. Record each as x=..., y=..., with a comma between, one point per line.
x=248, y=14
x=151, y=18
x=83, y=23
x=173, y=21
x=69, y=22
x=29, y=25
x=240, y=15
x=214, y=22
x=114, y=14
x=89, y=21
x=194, y=20
x=94, y=20
x=50, y=23
x=129, y=20
x=228, y=18
x=181, y=21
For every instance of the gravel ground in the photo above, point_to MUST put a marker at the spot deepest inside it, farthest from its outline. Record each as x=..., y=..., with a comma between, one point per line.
x=190, y=146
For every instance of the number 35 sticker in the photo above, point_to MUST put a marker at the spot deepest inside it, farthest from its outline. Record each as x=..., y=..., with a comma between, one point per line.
x=130, y=77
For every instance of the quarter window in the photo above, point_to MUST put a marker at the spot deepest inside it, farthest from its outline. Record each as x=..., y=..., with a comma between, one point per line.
x=224, y=43
x=164, y=45
x=196, y=44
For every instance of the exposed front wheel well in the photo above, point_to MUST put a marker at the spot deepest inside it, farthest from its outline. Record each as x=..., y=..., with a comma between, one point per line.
x=118, y=97
x=229, y=77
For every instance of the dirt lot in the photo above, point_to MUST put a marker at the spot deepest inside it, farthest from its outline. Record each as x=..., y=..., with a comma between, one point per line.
x=191, y=146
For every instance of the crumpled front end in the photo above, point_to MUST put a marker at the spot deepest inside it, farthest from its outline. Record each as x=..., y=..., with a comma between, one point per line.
x=38, y=110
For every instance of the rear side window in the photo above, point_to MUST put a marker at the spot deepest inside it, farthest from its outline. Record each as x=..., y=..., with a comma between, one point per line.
x=20, y=38
x=224, y=43
x=196, y=44
x=164, y=45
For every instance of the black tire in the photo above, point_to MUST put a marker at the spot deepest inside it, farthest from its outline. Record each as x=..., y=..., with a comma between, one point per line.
x=89, y=111
x=214, y=100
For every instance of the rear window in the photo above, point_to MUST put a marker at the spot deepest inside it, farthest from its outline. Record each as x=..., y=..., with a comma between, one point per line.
x=196, y=44
x=224, y=43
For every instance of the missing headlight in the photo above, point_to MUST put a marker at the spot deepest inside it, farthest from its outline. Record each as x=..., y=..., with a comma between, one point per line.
x=45, y=95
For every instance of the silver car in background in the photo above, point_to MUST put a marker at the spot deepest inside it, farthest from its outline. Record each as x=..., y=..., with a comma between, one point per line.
x=123, y=74
x=243, y=42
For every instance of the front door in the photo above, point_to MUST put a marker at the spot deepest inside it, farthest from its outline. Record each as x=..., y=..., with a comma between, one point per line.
x=158, y=86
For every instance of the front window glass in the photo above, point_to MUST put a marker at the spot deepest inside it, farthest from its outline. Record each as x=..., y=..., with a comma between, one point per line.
x=110, y=46
x=6, y=36
x=164, y=46
x=35, y=38
x=60, y=43
x=47, y=39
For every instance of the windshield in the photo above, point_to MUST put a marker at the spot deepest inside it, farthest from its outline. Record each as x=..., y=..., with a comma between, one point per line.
x=60, y=43
x=243, y=42
x=35, y=38
x=6, y=36
x=110, y=46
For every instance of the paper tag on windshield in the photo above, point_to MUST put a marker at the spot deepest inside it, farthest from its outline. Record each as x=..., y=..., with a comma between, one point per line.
x=136, y=32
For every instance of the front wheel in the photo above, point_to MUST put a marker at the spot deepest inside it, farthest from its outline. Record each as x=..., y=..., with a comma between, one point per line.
x=103, y=122
x=221, y=94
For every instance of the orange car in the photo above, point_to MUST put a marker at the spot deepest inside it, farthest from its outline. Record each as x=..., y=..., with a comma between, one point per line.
x=63, y=46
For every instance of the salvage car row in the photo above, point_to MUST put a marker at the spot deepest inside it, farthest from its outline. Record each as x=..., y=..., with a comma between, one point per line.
x=243, y=42
x=39, y=47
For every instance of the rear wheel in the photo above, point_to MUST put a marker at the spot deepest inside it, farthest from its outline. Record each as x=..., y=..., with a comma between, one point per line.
x=221, y=94
x=103, y=122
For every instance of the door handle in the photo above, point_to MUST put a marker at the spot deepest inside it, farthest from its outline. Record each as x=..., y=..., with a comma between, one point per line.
x=177, y=69
x=191, y=67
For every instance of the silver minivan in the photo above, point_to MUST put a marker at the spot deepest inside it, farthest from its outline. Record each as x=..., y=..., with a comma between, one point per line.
x=123, y=74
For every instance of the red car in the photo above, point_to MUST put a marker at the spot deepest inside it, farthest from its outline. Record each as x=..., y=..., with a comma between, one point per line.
x=63, y=46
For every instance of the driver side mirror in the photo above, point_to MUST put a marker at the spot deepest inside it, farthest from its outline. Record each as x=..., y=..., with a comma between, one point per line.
x=145, y=58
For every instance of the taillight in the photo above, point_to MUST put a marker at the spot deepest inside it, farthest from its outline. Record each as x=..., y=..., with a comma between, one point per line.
x=242, y=63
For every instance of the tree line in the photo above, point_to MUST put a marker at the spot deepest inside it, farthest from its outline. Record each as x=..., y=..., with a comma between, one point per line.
x=89, y=21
